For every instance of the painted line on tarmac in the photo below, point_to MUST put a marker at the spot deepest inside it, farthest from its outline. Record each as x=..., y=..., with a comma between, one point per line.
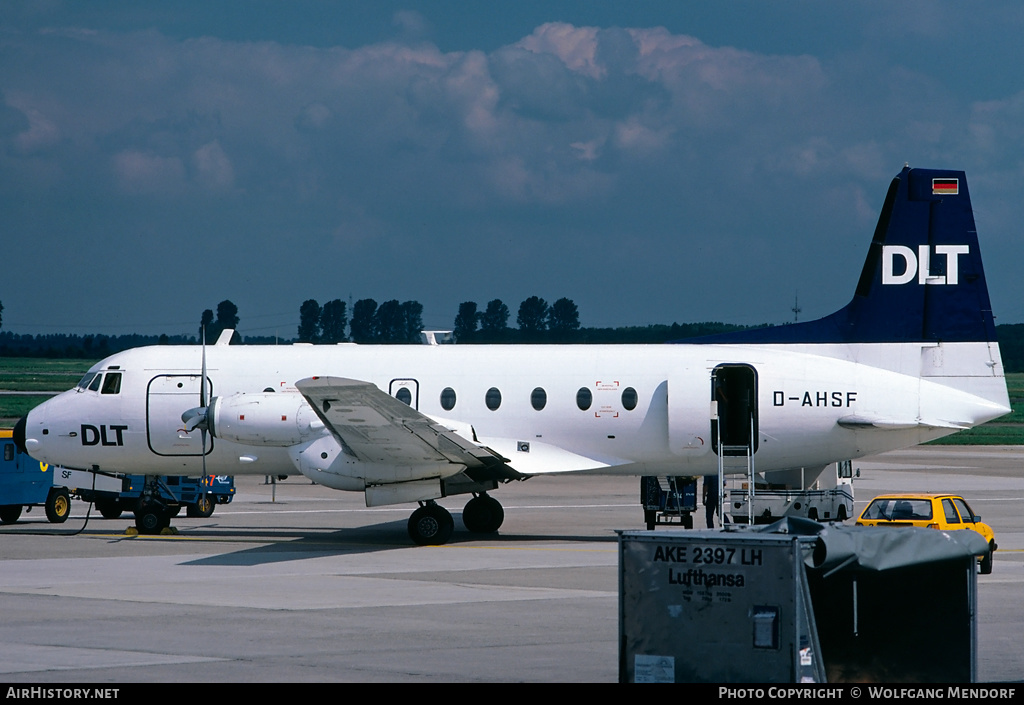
x=979, y=500
x=571, y=549
x=17, y=658
x=307, y=542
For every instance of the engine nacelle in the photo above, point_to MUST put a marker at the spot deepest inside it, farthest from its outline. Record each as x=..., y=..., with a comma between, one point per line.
x=325, y=462
x=263, y=419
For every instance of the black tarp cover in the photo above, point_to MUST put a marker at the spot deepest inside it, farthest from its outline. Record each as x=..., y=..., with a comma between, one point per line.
x=871, y=548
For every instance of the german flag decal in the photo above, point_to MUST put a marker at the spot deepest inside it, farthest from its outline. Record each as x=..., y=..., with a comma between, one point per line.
x=945, y=187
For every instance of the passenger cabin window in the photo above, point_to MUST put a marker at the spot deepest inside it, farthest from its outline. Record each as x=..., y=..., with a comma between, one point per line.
x=493, y=399
x=112, y=383
x=448, y=399
x=951, y=515
x=404, y=395
x=539, y=398
x=629, y=398
x=584, y=399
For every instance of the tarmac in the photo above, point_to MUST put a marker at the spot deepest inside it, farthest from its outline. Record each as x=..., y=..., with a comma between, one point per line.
x=298, y=583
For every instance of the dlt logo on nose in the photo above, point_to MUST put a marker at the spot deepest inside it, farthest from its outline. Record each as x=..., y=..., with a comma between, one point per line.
x=919, y=264
x=93, y=436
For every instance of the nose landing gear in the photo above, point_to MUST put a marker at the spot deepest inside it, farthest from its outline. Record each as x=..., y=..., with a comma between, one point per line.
x=152, y=516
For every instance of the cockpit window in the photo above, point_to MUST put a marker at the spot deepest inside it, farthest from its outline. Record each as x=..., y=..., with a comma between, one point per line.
x=94, y=386
x=84, y=384
x=112, y=383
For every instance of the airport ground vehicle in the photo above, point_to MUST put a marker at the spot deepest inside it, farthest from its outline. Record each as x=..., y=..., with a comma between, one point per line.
x=114, y=494
x=668, y=501
x=27, y=483
x=829, y=497
x=946, y=512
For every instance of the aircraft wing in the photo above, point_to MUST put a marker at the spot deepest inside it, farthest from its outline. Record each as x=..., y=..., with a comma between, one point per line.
x=377, y=428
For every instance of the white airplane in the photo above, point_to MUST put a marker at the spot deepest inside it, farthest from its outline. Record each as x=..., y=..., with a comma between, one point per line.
x=912, y=357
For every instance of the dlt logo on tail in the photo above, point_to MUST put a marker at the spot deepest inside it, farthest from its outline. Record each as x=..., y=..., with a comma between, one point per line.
x=920, y=264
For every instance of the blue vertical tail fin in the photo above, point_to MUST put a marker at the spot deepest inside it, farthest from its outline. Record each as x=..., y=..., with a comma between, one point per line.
x=922, y=280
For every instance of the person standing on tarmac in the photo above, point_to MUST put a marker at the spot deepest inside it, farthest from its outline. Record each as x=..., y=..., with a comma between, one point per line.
x=711, y=494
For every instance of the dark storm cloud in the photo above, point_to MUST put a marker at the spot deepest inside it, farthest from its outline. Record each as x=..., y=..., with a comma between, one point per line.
x=621, y=167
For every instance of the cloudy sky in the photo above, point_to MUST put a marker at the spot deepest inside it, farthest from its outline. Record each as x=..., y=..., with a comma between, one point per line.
x=654, y=161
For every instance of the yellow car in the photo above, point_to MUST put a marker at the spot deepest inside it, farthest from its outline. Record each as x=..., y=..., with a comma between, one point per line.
x=946, y=512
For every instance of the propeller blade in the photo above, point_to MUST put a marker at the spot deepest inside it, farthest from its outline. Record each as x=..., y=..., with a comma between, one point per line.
x=206, y=480
x=202, y=381
x=202, y=423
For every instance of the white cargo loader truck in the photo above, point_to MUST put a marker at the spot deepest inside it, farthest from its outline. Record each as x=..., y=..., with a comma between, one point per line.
x=829, y=497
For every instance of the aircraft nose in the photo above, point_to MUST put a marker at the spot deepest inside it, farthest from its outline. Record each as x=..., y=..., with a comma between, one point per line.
x=29, y=431
x=19, y=434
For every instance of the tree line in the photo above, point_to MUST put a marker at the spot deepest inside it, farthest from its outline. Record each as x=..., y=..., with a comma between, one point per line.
x=393, y=322
x=389, y=323
x=536, y=322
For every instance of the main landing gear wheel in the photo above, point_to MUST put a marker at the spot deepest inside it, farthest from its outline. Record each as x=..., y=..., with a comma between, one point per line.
x=151, y=518
x=483, y=514
x=431, y=525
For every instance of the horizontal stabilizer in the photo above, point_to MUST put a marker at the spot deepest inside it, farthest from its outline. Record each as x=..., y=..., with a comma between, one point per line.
x=858, y=421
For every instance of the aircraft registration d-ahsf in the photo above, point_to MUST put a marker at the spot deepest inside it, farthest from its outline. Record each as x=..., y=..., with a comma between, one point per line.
x=912, y=357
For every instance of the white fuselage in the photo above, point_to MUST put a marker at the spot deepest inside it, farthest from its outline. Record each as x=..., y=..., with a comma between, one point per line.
x=815, y=404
